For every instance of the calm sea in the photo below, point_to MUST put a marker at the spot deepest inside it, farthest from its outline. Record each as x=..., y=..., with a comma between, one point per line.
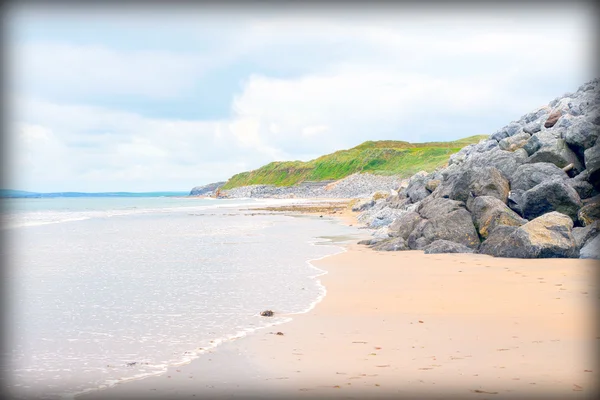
x=103, y=290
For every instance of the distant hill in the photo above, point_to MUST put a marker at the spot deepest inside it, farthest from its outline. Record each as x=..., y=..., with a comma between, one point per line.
x=386, y=157
x=9, y=193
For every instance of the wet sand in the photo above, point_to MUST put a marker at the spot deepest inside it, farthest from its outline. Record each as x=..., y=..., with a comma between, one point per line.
x=410, y=325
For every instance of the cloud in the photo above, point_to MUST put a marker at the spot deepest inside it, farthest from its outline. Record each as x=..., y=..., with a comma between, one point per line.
x=320, y=83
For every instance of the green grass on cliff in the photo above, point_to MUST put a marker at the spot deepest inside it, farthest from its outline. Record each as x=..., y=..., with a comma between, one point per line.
x=386, y=157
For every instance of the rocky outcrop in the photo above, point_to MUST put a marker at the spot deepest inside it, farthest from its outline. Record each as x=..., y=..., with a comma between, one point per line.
x=530, y=190
x=206, y=190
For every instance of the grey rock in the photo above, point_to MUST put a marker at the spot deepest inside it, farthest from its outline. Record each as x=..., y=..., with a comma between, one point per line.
x=589, y=213
x=584, y=189
x=415, y=240
x=515, y=201
x=505, y=161
x=489, y=212
x=404, y=225
x=416, y=189
x=434, y=207
x=533, y=127
x=583, y=234
x=478, y=181
x=490, y=245
x=592, y=164
x=456, y=226
x=552, y=195
x=581, y=135
x=557, y=153
x=363, y=205
x=540, y=139
x=548, y=236
x=446, y=246
x=393, y=244
x=527, y=176
x=591, y=249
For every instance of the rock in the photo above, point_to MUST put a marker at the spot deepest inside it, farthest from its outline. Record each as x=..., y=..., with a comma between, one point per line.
x=581, y=135
x=404, y=225
x=489, y=212
x=584, y=189
x=552, y=195
x=495, y=237
x=589, y=213
x=532, y=127
x=505, y=161
x=592, y=164
x=548, y=236
x=456, y=226
x=415, y=240
x=514, y=142
x=527, y=176
x=381, y=233
x=397, y=201
x=363, y=205
x=267, y=313
x=446, y=246
x=416, y=190
x=509, y=130
x=393, y=244
x=478, y=181
x=432, y=184
x=433, y=207
x=486, y=145
x=583, y=234
x=515, y=201
x=591, y=249
x=206, y=190
x=552, y=119
x=558, y=153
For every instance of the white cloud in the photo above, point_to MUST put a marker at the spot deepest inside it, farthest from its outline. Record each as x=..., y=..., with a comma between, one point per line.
x=408, y=76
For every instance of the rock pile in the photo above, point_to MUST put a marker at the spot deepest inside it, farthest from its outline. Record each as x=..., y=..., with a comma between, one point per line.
x=206, y=190
x=353, y=186
x=531, y=190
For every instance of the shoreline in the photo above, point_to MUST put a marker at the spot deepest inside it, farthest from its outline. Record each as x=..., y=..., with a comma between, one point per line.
x=267, y=365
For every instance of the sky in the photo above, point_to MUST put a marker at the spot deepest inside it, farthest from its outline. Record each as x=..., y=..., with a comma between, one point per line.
x=133, y=98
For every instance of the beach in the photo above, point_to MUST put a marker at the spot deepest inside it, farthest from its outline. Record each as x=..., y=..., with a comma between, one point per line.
x=409, y=325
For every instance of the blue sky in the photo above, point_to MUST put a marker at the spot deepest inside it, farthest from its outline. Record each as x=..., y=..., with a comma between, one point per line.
x=116, y=99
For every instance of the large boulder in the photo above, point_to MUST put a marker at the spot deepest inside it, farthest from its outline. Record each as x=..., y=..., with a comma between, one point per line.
x=393, y=244
x=548, y=236
x=509, y=130
x=539, y=140
x=416, y=189
x=456, y=226
x=404, y=225
x=505, y=161
x=398, y=201
x=495, y=238
x=489, y=212
x=558, y=153
x=581, y=185
x=591, y=249
x=527, y=176
x=589, y=213
x=415, y=239
x=581, y=135
x=475, y=181
x=515, y=201
x=446, y=246
x=552, y=195
x=433, y=207
x=592, y=164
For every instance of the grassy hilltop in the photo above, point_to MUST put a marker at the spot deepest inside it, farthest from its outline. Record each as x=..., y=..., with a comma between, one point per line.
x=386, y=157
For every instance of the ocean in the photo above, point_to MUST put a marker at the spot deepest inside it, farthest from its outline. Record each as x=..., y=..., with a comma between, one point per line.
x=104, y=290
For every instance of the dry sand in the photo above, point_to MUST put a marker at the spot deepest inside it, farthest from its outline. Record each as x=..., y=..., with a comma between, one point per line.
x=410, y=325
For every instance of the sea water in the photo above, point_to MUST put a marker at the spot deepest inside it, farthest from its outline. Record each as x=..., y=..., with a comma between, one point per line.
x=103, y=290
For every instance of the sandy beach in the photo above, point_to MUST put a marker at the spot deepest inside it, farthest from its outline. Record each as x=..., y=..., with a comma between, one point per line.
x=410, y=325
